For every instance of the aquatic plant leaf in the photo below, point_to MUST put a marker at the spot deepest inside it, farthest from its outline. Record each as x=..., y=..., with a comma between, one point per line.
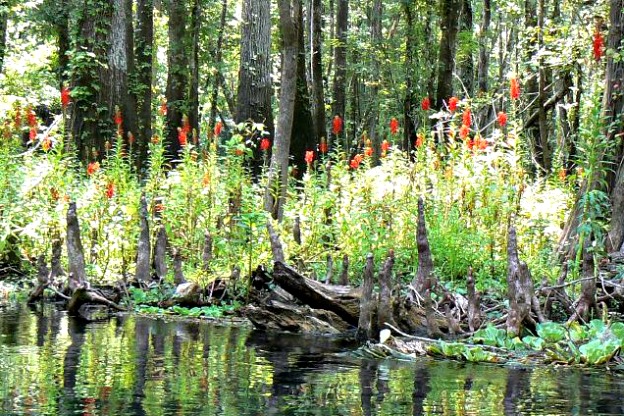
x=551, y=332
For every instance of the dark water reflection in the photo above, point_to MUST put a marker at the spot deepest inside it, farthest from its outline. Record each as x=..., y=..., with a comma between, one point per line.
x=53, y=365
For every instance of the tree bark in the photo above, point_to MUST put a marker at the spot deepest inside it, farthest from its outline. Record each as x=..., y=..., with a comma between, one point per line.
x=365, y=331
x=193, y=87
x=303, y=136
x=446, y=62
x=484, y=52
x=614, y=108
x=144, y=256
x=385, y=309
x=218, y=61
x=144, y=54
x=340, y=63
x=318, y=92
x=177, y=77
x=373, y=113
x=75, y=252
x=255, y=88
x=410, y=102
x=275, y=195
x=466, y=66
x=4, y=20
x=424, y=274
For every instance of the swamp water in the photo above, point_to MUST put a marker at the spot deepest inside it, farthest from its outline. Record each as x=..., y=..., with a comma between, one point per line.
x=51, y=364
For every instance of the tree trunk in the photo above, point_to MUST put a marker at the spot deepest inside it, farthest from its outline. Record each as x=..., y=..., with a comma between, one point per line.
x=144, y=60
x=302, y=138
x=255, y=87
x=484, y=52
x=63, y=42
x=446, y=62
x=614, y=108
x=4, y=20
x=121, y=67
x=193, y=87
x=373, y=113
x=340, y=62
x=91, y=119
x=410, y=102
x=275, y=194
x=365, y=330
x=177, y=77
x=318, y=93
x=218, y=61
x=466, y=66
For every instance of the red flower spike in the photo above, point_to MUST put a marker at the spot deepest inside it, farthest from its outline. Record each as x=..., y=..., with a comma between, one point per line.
x=452, y=104
x=131, y=139
x=65, y=98
x=186, y=126
x=31, y=117
x=514, y=88
x=182, y=137
x=265, y=144
x=309, y=156
x=467, y=117
x=118, y=117
x=368, y=151
x=163, y=107
x=598, y=45
x=355, y=162
x=337, y=125
x=394, y=125
x=425, y=104
x=17, y=119
x=420, y=139
x=110, y=190
x=464, y=131
x=32, y=135
x=218, y=128
x=385, y=146
x=323, y=146
x=92, y=168
x=46, y=144
x=501, y=118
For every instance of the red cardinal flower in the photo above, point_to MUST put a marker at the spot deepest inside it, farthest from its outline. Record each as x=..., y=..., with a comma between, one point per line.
x=452, y=104
x=368, y=151
x=464, y=131
x=182, y=138
x=337, y=125
x=467, y=117
x=394, y=125
x=32, y=135
x=131, y=138
x=420, y=139
x=31, y=117
x=323, y=145
x=17, y=119
x=163, y=107
x=92, y=168
x=218, y=128
x=502, y=118
x=65, y=97
x=514, y=88
x=355, y=162
x=598, y=44
x=265, y=144
x=425, y=104
x=46, y=144
x=309, y=156
x=480, y=143
x=118, y=117
x=110, y=190
x=385, y=146
x=186, y=126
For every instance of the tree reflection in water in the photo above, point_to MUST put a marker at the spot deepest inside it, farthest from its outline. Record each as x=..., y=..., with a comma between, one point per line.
x=51, y=364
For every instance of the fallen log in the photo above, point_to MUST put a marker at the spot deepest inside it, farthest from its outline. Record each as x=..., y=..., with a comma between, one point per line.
x=314, y=294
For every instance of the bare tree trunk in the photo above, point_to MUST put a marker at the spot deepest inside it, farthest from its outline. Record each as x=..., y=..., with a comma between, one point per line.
x=318, y=93
x=446, y=62
x=340, y=62
x=4, y=20
x=466, y=66
x=614, y=108
x=144, y=250
x=193, y=94
x=365, y=331
x=218, y=60
x=275, y=194
x=410, y=102
x=373, y=113
x=144, y=60
x=177, y=77
x=484, y=51
x=255, y=87
x=75, y=252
